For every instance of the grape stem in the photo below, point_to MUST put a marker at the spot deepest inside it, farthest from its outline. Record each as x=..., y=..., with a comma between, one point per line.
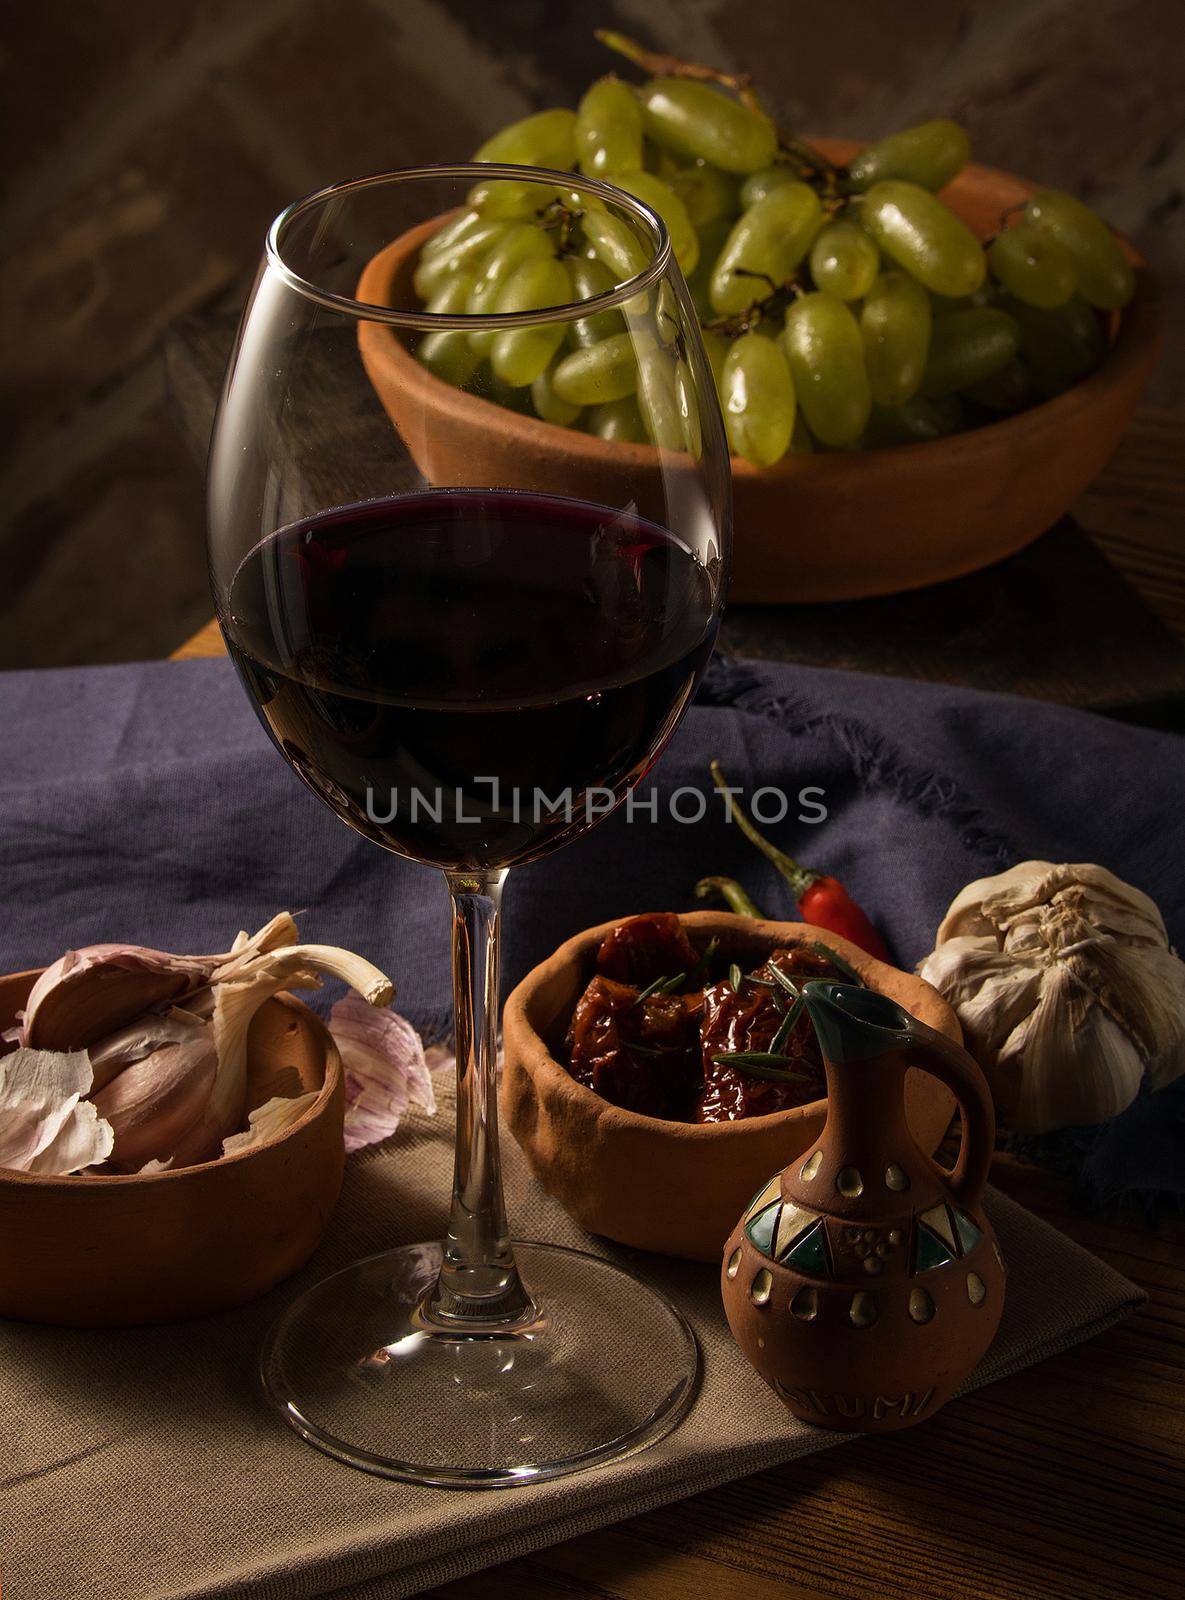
x=780, y=296
x=660, y=65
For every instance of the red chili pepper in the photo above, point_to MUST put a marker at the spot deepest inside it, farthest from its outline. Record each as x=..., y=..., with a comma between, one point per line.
x=822, y=901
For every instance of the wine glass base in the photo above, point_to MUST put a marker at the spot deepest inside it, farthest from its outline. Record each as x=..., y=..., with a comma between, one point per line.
x=607, y=1368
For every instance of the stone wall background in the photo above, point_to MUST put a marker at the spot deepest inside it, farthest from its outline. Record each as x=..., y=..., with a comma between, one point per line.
x=149, y=142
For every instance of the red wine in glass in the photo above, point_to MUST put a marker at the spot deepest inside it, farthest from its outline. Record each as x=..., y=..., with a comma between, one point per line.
x=460, y=673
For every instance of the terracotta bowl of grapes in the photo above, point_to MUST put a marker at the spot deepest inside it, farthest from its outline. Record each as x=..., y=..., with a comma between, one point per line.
x=119, y=1250
x=830, y=525
x=618, y=1085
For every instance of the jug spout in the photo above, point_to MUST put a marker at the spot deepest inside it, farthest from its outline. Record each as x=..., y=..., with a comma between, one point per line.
x=855, y=1024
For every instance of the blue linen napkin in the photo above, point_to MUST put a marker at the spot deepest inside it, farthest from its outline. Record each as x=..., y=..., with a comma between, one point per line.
x=144, y=803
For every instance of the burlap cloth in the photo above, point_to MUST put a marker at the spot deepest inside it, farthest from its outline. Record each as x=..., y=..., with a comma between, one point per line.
x=142, y=1465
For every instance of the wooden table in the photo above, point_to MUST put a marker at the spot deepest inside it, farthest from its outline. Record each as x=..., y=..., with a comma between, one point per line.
x=1067, y=1481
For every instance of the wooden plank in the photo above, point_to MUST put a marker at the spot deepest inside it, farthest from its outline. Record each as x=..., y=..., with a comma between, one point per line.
x=1065, y=1480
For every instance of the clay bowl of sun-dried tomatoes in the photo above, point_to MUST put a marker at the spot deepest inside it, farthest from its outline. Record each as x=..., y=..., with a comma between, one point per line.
x=660, y=1069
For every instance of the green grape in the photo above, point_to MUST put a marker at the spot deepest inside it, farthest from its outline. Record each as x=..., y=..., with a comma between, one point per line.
x=758, y=184
x=551, y=406
x=446, y=352
x=826, y=354
x=707, y=193
x=1010, y=389
x=660, y=197
x=687, y=406
x=447, y=355
x=510, y=201
x=601, y=372
x=985, y=295
x=915, y=421
x=716, y=350
x=801, y=443
x=1058, y=347
x=921, y=235
x=464, y=253
x=929, y=155
x=522, y=241
x=770, y=239
x=508, y=396
x=757, y=398
x=519, y=355
x=452, y=233
x=895, y=326
x=616, y=245
x=546, y=139
x=591, y=278
x=619, y=421
x=1033, y=265
x=1105, y=276
x=966, y=347
x=657, y=398
x=844, y=260
x=712, y=238
x=451, y=298
x=695, y=120
x=609, y=129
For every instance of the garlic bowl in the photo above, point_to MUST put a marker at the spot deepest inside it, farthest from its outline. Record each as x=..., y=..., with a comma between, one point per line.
x=107, y=1251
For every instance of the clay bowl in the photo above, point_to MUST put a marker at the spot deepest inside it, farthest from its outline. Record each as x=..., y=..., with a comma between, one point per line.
x=119, y=1251
x=677, y=1188
x=812, y=528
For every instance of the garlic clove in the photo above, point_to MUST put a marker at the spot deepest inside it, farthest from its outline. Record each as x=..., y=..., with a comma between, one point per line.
x=90, y=993
x=154, y=1102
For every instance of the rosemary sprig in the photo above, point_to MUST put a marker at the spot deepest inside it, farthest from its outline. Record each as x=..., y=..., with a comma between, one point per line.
x=735, y=977
x=709, y=951
x=837, y=961
x=786, y=1027
x=761, y=1064
x=651, y=988
x=784, y=982
x=661, y=986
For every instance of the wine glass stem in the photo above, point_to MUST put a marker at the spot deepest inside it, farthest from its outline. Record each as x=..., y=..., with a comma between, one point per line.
x=478, y=1285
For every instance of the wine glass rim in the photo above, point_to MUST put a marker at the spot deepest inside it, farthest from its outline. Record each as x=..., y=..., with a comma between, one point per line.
x=475, y=172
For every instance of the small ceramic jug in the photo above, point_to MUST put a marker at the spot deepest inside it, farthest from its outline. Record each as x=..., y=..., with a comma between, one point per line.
x=864, y=1281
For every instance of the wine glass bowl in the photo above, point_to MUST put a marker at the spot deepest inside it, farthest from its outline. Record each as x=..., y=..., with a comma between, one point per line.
x=469, y=673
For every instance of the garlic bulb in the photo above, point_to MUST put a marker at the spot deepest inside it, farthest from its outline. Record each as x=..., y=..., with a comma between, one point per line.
x=157, y=1077
x=1067, y=989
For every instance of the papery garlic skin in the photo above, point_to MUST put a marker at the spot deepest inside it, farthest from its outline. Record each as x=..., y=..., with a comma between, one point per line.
x=269, y=1120
x=386, y=1070
x=1066, y=988
x=46, y=1126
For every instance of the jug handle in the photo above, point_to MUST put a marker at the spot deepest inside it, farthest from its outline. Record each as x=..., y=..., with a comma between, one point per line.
x=934, y=1053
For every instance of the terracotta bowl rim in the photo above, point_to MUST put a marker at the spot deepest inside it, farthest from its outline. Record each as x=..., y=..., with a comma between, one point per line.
x=333, y=1076
x=1134, y=330
x=703, y=1132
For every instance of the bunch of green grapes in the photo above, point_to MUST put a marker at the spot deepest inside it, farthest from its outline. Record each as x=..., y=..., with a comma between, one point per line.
x=842, y=307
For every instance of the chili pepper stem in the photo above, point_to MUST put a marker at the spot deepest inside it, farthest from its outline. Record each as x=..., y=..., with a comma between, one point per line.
x=796, y=875
x=730, y=891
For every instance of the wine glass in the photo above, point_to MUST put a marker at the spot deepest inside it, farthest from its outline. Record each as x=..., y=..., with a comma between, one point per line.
x=451, y=615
